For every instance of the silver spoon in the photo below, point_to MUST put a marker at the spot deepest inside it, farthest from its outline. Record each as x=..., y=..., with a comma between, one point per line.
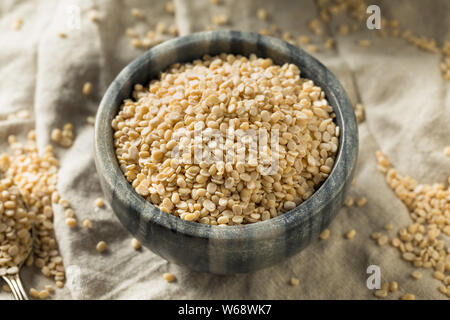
x=11, y=274
x=12, y=277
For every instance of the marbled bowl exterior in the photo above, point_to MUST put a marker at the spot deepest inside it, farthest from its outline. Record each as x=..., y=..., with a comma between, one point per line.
x=233, y=249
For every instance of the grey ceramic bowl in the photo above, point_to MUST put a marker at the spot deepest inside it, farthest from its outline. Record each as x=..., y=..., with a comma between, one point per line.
x=233, y=249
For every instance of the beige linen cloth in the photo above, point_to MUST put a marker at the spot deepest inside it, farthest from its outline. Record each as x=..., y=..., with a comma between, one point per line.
x=407, y=110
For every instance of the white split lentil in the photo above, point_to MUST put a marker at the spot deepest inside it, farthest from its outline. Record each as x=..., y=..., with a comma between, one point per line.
x=349, y=201
x=375, y=235
x=33, y=293
x=64, y=203
x=361, y=201
x=350, y=234
x=447, y=151
x=94, y=16
x=364, y=43
x=130, y=32
x=87, y=88
x=99, y=202
x=312, y=48
x=69, y=213
x=382, y=240
x=294, y=282
x=101, y=246
x=393, y=286
x=137, y=43
x=173, y=30
x=160, y=27
x=438, y=275
x=135, y=244
x=56, y=135
x=325, y=234
x=43, y=294
x=90, y=120
x=261, y=14
x=287, y=36
x=17, y=24
x=381, y=293
x=265, y=32
x=359, y=112
x=408, y=296
x=329, y=43
x=443, y=289
x=170, y=7
x=169, y=277
x=304, y=39
x=49, y=288
x=220, y=19
x=71, y=222
x=416, y=274
x=87, y=224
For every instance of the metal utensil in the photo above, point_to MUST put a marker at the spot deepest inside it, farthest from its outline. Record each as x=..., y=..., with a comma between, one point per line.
x=11, y=275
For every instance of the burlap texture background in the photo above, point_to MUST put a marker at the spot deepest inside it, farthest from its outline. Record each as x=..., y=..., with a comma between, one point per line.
x=407, y=110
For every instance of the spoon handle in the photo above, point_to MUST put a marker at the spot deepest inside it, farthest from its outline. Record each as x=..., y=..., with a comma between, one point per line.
x=16, y=286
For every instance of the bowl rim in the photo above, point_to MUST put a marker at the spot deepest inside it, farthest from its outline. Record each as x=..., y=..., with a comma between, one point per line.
x=108, y=168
